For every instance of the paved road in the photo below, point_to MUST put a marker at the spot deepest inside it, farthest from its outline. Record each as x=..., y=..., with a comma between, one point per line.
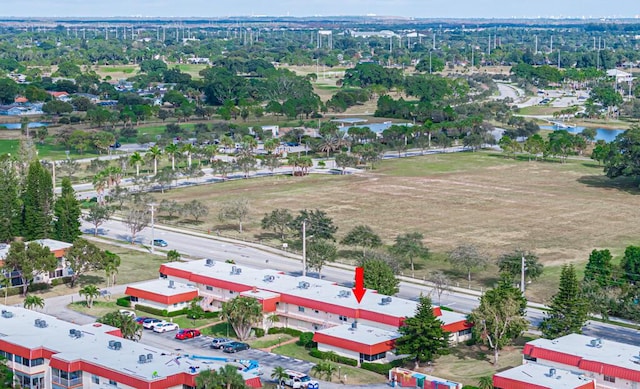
x=207, y=247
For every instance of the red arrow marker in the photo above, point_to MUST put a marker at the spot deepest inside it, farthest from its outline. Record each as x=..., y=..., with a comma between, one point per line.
x=359, y=290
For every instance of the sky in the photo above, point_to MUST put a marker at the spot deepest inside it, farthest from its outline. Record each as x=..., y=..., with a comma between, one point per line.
x=408, y=8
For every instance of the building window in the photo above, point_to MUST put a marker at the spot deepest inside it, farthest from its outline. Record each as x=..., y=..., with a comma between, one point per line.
x=530, y=358
x=37, y=362
x=343, y=318
x=316, y=311
x=609, y=378
x=209, y=287
x=231, y=292
x=95, y=379
x=113, y=383
x=300, y=309
x=464, y=332
x=372, y=357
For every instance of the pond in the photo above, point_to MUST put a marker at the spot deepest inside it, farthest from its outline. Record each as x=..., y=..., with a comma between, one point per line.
x=601, y=133
x=17, y=126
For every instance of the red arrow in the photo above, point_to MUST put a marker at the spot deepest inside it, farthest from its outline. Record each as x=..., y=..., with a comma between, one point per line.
x=359, y=290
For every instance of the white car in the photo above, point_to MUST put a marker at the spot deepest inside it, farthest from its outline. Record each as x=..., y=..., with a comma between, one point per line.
x=126, y=312
x=165, y=326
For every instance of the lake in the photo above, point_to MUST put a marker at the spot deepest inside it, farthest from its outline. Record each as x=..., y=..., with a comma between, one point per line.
x=601, y=133
x=17, y=126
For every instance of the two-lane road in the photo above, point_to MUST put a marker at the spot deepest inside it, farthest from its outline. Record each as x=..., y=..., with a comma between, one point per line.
x=205, y=247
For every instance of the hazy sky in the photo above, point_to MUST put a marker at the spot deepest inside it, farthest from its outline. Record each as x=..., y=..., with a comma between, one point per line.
x=415, y=8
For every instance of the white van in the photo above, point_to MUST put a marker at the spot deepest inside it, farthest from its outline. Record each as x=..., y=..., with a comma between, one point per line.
x=297, y=380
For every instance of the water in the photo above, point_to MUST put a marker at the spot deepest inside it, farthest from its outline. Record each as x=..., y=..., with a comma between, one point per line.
x=17, y=126
x=601, y=133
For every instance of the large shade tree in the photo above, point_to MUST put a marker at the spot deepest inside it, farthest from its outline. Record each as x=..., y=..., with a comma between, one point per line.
x=568, y=309
x=29, y=260
x=66, y=226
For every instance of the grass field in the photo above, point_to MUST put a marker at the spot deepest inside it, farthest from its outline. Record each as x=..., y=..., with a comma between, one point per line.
x=560, y=211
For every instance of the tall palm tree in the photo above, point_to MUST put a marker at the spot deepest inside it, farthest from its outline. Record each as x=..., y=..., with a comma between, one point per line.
x=210, y=151
x=5, y=282
x=226, y=377
x=90, y=292
x=99, y=182
x=155, y=153
x=485, y=382
x=279, y=374
x=227, y=142
x=136, y=159
x=188, y=149
x=270, y=145
x=172, y=150
x=32, y=301
x=328, y=145
x=249, y=142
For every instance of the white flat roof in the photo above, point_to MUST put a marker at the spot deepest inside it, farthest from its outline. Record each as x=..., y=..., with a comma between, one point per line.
x=92, y=346
x=534, y=373
x=362, y=334
x=161, y=287
x=610, y=352
x=318, y=290
x=53, y=245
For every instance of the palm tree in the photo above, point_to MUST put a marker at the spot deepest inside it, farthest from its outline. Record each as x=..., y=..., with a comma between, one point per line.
x=136, y=159
x=270, y=145
x=279, y=374
x=5, y=282
x=210, y=151
x=32, y=301
x=188, y=149
x=226, y=377
x=328, y=145
x=172, y=150
x=155, y=153
x=249, y=142
x=227, y=142
x=99, y=184
x=485, y=382
x=90, y=292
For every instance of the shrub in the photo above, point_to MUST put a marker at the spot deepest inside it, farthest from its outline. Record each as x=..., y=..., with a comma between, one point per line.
x=306, y=340
x=380, y=368
x=123, y=302
x=284, y=330
x=60, y=281
x=38, y=286
x=333, y=357
x=259, y=332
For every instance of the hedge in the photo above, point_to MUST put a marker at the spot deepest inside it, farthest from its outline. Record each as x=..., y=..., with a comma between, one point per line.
x=380, y=368
x=284, y=330
x=306, y=340
x=161, y=312
x=259, y=332
x=123, y=302
x=60, y=281
x=337, y=358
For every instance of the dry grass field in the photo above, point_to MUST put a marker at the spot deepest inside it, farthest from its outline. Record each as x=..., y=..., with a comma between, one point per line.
x=561, y=211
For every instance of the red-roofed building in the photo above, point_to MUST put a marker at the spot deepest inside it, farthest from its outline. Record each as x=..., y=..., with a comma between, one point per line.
x=304, y=303
x=21, y=100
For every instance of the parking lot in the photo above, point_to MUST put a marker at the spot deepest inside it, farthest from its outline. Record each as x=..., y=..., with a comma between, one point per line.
x=200, y=347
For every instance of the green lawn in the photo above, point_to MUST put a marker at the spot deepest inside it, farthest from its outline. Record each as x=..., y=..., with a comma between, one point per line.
x=9, y=146
x=220, y=329
x=270, y=340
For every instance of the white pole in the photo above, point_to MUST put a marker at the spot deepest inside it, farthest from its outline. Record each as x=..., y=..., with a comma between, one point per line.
x=522, y=269
x=304, y=248
x=153, y=250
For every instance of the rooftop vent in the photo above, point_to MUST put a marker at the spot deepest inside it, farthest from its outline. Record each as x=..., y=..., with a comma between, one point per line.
x=142, y=358
x=75, y=333
x=344, y=293
x=115, y=345
x=354, y=326
x=149, y=357
x=6, y=314
x=596, y=343
x=209, y=262
x=236, y=270
x=303, y=285
x=172, y=284
x=41, y=323
x=268, y=278
x=552, y=372
x=385, y=301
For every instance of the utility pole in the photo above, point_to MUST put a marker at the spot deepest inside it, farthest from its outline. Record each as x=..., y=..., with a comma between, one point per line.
x=153, y=237
x=522, y=269
x=304, y=248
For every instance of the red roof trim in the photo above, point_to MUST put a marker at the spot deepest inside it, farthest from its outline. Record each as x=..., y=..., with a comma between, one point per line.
x=346, y=344
x=159, y=298
x=457, y=326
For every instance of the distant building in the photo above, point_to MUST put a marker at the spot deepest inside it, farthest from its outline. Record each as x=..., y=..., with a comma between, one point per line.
x=58, y=249
x=534, y=376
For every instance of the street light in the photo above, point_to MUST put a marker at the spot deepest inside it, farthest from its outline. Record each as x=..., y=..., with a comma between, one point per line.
x=153, y=238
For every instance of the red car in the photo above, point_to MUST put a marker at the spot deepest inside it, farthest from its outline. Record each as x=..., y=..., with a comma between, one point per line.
x=187, y=334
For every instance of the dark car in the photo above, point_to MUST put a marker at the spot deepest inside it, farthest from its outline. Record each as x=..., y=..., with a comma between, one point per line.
x=160, y=242
x=115, y=145
x=234, y=347
x=188, y=333
x=141, y=319
x=219, y=343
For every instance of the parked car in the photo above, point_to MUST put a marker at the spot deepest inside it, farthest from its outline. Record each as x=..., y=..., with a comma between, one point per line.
x=165, y=326
x=160, y=242
x=188, y=333
x=298, y=380
x=150, y=323
x=126, y=312
x=141, y=319
x=220, y=342
x=234, y=347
